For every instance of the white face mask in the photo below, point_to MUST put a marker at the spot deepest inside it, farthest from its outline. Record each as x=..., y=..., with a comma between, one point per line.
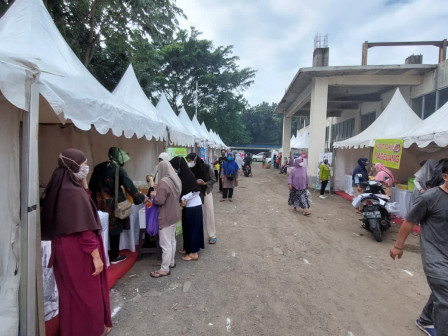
x=191, y=164
x=82, y=174
x=301, y=164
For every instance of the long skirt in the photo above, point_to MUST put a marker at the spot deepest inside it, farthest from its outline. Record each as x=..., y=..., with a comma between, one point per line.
x=84, y=307
x=193, y=229
x=299, y=198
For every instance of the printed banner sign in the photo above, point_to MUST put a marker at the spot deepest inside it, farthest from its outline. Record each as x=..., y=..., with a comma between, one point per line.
x=388, y=152
x=203, y=154
x=177, y=151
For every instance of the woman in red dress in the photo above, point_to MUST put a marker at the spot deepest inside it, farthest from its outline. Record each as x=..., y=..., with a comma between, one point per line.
x=69, y=219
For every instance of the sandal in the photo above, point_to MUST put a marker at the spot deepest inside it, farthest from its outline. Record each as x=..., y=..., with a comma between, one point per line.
x=222, y=200
x=182, y=252
x=189, y=258
x=307, y=213
x=157, y=274
x=212, y=241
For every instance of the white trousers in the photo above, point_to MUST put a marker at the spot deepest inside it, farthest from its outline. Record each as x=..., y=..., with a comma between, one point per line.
x=208, y=213
x=167, y=241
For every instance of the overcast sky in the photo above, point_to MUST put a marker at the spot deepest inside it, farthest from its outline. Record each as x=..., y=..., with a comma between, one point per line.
x=276, y=37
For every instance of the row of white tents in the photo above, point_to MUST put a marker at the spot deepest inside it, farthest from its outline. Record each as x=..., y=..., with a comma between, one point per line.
x=423, y=139
x=48, y=102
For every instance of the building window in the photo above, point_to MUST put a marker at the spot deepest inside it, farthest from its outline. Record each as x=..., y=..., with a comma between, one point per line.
x=367, y=120
x=417, y=104
x=443, y=97
x=343, y=130
x=430, y=105
x=427, y=104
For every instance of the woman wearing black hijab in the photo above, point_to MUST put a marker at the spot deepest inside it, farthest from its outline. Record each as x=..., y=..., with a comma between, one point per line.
x=206, y=178
x=192, y=219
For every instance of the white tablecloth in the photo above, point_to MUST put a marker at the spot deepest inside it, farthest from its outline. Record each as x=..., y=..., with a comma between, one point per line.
x=404, y=198
x=51, y=296
x=348, y=184
x=129, y=238
x=104, y=218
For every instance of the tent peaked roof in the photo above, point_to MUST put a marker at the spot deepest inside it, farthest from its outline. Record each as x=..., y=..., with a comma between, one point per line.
x=186, y=122
x=432, y=129
x=130, y=92
x=178, y=133
x=394, y=123
x=199, y=127
x=209, y=136
x=30, y=39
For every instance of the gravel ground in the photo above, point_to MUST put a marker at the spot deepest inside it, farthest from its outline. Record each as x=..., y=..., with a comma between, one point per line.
x=276, y=272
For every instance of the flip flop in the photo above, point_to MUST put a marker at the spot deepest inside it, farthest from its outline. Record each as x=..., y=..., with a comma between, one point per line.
x=157, y=274
x=182, y=252
x=212, y=241
x=188, y=258
x=223, y=200
x=307, y=213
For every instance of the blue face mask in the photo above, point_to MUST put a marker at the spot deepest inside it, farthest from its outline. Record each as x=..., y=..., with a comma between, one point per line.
x=229, y=158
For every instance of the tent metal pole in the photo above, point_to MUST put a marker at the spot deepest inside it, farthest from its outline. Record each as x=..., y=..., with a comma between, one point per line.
x=29, y=204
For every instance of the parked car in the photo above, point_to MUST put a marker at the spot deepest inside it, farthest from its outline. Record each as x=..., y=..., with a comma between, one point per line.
x=259, y=157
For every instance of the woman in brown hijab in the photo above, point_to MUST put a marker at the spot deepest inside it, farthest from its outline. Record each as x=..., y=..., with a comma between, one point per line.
x=70, y=220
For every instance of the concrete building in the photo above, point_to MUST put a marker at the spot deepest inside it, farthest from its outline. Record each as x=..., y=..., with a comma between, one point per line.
x=342, y=101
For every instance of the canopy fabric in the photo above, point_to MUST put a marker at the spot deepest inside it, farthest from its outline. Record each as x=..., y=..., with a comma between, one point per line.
x=179, y=135
x=199, y=128
x=395, y=122
x=432, y=129
x=186, y=122
x=210, y=140
x=130, y=92
x=31, y=40
x=10, y=210
x=302, y=138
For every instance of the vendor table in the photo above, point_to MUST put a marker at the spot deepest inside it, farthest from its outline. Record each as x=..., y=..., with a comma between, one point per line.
x=404, y=198
x=348, y=188
x=129, y=238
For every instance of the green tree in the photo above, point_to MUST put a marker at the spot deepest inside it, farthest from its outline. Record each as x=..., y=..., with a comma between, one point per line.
x=88, y=25
x=188, y=60
x=264, y=126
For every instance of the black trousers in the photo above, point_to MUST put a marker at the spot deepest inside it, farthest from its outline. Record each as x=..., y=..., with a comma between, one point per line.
x=114, y=242
x=226, y=191
x=323, y=185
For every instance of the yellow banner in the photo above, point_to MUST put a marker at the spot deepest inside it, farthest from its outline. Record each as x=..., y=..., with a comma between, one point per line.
x=388, y=152
x=177, y=151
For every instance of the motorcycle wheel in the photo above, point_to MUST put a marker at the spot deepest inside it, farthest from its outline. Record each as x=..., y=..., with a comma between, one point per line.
x=376, y=230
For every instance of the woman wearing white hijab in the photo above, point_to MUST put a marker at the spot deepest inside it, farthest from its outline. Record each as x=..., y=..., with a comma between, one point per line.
x=167, y=198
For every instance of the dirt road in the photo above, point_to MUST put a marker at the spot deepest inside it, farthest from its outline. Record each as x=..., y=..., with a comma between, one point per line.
x=276, y=272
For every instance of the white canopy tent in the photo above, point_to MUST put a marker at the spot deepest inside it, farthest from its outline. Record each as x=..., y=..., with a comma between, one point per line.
x=432, y=129
x=179, y=135
x=41, y=80
x=199, y=128
x=210, y=141
x=186, y=122
x=394, y=122
x=301, y=141
x=130, y=92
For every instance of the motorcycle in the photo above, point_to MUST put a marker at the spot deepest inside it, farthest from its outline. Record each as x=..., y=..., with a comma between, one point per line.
x=247, y=170
x=376, y=209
